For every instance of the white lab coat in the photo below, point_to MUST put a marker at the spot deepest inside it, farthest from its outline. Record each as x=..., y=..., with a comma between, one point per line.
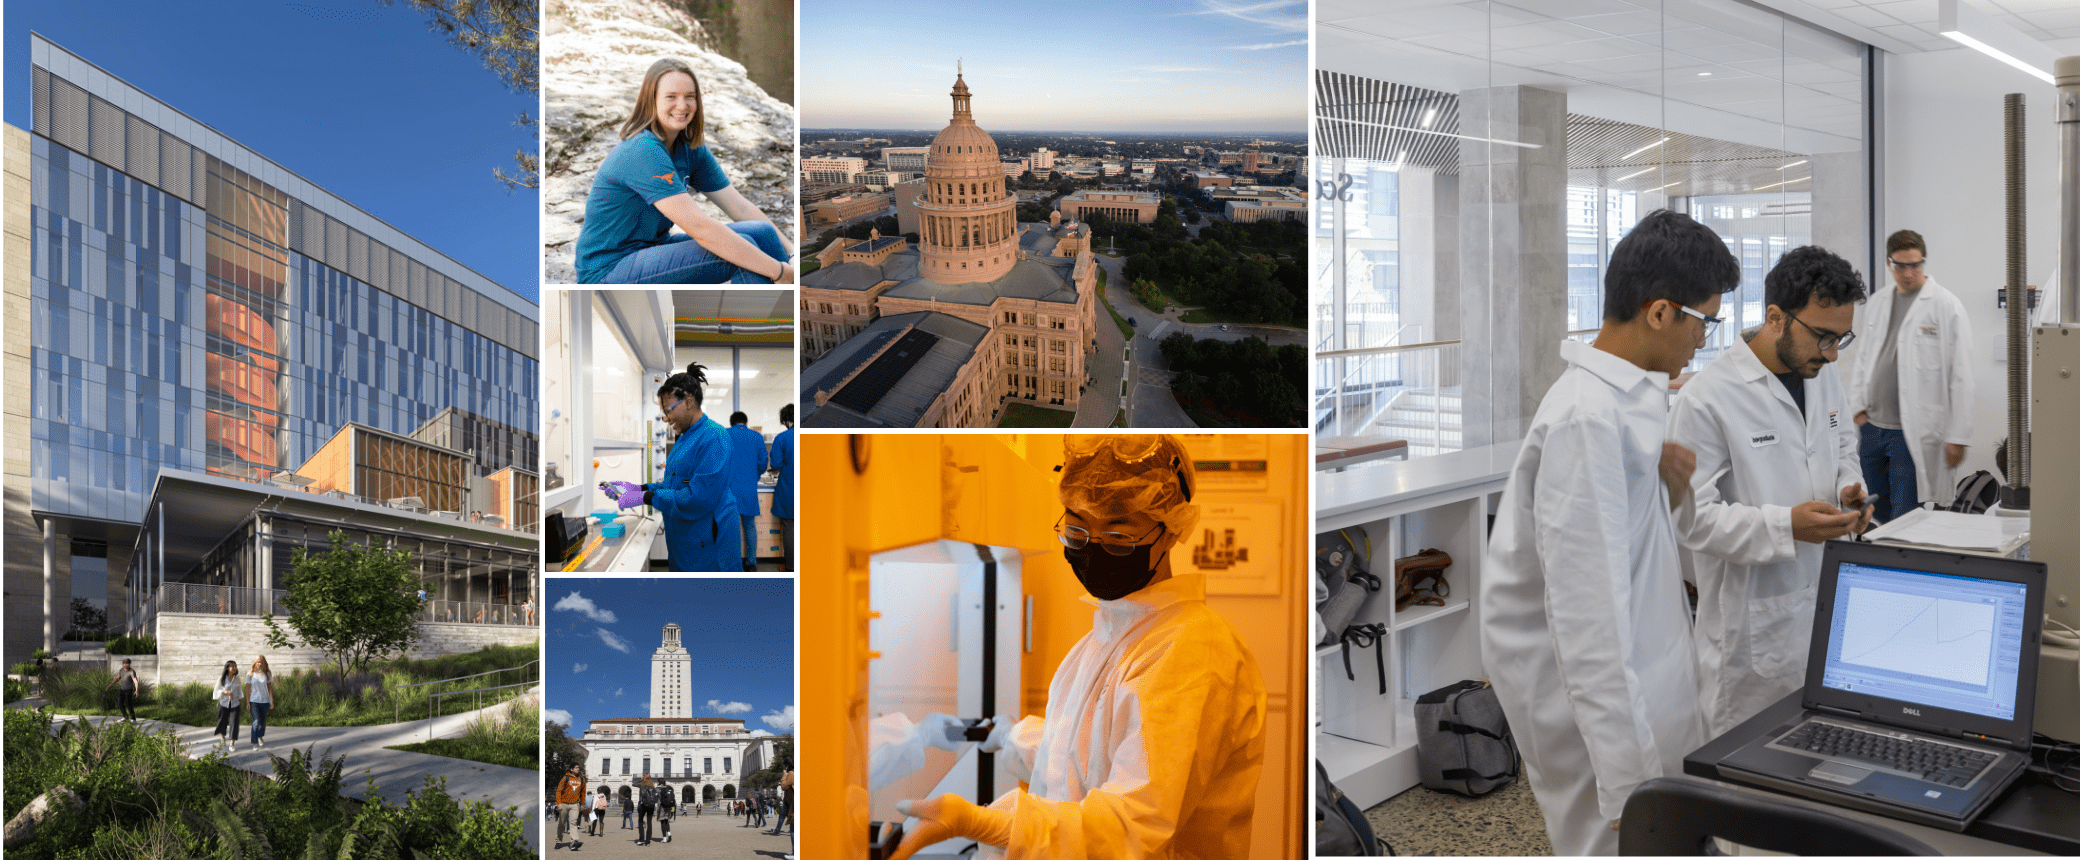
x=1153, y=739
x=1584, y=627
x=1757, y=458
x=1935, y=378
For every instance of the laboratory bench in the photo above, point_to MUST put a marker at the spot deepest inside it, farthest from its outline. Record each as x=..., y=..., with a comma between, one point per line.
x=642, y=541
x=2034, y=816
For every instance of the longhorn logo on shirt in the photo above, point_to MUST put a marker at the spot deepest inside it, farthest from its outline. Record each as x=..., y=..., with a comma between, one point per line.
x=665, y=178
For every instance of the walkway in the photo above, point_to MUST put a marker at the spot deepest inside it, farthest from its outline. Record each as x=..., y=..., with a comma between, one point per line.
x=708, y=836
x=395, y=771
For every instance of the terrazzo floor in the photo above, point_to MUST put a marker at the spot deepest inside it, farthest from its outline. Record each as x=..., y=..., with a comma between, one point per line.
x=1420, y=822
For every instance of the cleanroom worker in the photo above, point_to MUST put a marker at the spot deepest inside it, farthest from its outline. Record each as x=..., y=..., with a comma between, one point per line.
x=1584, y=627
x=699, y=515
x=1910, y=386
x=782, y=464
x=747, y=460
x=1154, y=733
x=1776, y=452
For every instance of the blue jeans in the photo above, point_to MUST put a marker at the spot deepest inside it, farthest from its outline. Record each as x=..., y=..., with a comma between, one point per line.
x=1888, y=471
x=680, y=260
x=259, y=718
x=786, y=544
x=747, y=528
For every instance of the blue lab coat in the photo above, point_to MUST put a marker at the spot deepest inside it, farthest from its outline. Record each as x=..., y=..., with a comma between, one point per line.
x=783, y=462
x=747, y=458
x=699, y=516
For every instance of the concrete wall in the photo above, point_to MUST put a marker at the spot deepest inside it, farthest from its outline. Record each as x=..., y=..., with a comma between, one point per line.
x=1512, y=256
x=194, y=647
x=1944, y=179
x=23, y=603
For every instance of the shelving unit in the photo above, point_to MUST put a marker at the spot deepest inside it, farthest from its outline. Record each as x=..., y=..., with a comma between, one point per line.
x=1365, y=739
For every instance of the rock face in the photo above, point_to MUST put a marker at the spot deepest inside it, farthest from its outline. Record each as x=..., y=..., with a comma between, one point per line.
x=594, y=53
x=24, y=825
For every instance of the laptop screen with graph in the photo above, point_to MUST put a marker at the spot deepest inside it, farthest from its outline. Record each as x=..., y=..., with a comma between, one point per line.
x=1946, y=641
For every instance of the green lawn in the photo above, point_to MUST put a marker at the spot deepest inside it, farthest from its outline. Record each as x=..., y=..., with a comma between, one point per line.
x=512, y=740
x=1120, y=420
x=1028, y=415
x=1125, y=331
x=808, y=265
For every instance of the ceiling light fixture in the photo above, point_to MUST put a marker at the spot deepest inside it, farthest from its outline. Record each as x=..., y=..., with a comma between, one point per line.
x=1427, y=131
x=1983, y=33
x=1644, y=148
x=1640, y=173
x=1785, y=182
x=1704, y=74
x=1671, y=185
x=1793, y=164
x=1428, y=116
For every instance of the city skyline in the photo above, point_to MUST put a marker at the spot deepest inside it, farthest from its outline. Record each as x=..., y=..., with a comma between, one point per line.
x=376, y=134
x=598, y=635
x=1220, y=67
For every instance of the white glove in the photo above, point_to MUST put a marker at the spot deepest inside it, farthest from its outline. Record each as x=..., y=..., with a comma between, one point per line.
x=999, y=733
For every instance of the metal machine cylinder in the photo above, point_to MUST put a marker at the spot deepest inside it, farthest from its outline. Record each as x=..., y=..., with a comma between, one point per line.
x=2067, y=72
x=2016, y=495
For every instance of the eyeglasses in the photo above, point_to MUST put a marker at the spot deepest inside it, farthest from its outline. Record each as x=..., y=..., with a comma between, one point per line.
x=675, y=405
x=1117, y=543
x=1828, y=340
x=1711, y=324
x=1907, y=266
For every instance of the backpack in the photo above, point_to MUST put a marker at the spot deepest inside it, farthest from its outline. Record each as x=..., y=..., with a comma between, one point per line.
x=1342, y=583
x=648, y=797
x=1975, y=493
x=1463, y=741
x=1340, y=828
x=665, y=802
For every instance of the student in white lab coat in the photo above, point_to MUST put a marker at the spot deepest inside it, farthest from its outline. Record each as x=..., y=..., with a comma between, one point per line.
x=1910, y=385
x=1584, y=628
x=1775, y=452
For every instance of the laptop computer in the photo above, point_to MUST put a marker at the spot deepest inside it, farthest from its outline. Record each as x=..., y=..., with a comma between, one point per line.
x=1920, y=686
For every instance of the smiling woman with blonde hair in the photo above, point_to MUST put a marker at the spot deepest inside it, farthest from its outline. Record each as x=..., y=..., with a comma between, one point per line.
x=646, y=186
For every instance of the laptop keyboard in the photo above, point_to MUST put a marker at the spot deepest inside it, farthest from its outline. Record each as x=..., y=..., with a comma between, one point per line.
x=1940, y=763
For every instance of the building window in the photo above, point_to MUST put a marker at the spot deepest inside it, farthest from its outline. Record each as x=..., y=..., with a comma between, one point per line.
x=606, y=766
x=624, y=767
x=707, y=765
x=689, y=764
x=646, y=765
x=667, y=767
x=725, y=764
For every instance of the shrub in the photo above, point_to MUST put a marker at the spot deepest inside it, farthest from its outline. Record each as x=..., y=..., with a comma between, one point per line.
x=17, y=690
x=123, y=646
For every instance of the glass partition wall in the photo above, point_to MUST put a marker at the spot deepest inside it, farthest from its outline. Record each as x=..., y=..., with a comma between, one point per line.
x=1477, y=161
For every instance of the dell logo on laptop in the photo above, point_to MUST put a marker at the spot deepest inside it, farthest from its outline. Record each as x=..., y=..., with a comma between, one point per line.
x=1911, y=712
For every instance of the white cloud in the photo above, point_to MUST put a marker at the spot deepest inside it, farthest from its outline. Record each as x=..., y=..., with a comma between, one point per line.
x=617, y=690
x=579, y=667
x=1267, y=45
x=1175, y=69
x=556, y=715
x=577, y=603
x=1286, y=15
x=615, y=642
x=721, y=707
x=761, y=733
x=781, y=720
x=646, y=708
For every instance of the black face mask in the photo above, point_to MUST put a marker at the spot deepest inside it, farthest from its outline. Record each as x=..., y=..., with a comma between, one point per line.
x=1111, y=577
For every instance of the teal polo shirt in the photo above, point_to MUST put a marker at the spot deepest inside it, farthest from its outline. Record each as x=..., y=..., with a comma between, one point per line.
x=621, y=214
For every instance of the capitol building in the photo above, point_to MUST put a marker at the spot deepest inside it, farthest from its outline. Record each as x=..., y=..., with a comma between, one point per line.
x=982, y=312
x=702, y=758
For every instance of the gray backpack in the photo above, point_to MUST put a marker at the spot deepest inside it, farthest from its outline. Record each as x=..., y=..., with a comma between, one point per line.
x=1342, y=583
x=1340, y=828
x=1463, y=742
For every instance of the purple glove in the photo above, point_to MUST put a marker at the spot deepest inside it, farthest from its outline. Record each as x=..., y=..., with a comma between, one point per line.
x=617, y=489
x=630, y=498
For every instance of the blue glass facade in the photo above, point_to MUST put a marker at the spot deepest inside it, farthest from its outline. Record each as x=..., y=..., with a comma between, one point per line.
x=188, y=315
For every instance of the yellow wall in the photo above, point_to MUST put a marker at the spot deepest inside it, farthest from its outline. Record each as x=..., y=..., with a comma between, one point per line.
x=332, y=467
x=998, y=489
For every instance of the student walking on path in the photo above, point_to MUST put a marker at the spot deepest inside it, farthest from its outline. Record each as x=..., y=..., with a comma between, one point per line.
x=231, y=697
x=599, y=812
x=260, y=695
x=125, y=682
x=665, y=807
x=628, y=812
x=646, y=810
x=570, y=797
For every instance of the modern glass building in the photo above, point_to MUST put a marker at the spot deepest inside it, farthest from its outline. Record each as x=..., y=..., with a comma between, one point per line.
x=193, y=306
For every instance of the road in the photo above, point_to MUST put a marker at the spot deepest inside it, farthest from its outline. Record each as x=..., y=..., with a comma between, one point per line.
x=1150, y=402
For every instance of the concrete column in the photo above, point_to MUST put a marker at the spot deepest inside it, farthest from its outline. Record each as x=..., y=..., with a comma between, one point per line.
x=263, y=556
x=1840, y=223
x=1512, y=256
x=50, y=585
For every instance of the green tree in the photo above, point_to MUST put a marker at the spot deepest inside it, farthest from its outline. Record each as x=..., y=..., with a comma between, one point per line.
x=354, y=602
x=564, y=754
x=1191, y=217
x=502, y=35
x=86, y=619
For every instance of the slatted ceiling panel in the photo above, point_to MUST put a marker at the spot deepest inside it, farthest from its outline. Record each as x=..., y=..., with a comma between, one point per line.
x=105, y=136
x=141, y=156
x=1342, y=96
x=1596, y=150
x=40, y=95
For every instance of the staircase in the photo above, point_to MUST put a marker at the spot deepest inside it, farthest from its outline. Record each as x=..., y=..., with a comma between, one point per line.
x=1427, y=417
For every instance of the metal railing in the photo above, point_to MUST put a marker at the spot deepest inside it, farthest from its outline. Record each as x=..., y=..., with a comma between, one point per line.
x=1392, y=392
x=397, y=704
x=465, y=612
x=196, y=598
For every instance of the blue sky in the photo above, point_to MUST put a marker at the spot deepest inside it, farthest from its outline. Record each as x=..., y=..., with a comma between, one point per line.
x=357, y=97
x=740, y=631
x=1075, y=65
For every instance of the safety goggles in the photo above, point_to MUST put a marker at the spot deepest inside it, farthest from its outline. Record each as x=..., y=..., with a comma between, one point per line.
x=1711, y=324
x=1116, y=543
x=1828, y=340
